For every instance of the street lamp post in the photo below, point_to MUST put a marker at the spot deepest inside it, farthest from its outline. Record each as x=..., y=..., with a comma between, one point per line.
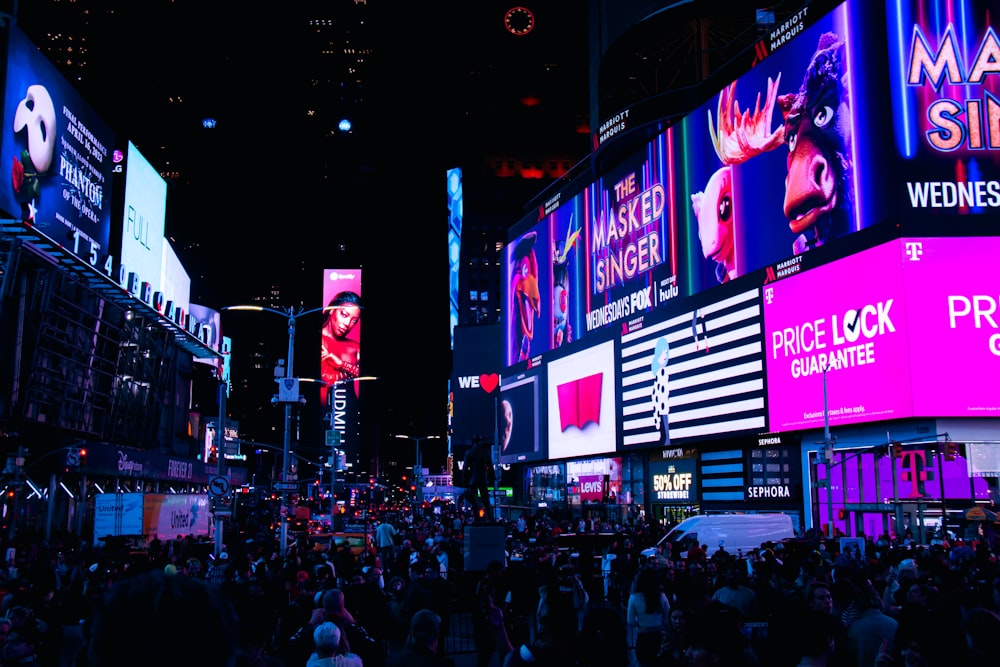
x=292, y=313
x=417, y=466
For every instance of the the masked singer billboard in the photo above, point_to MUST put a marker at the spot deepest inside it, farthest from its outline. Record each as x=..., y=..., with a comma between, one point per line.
x=945, y=93
x=905, y=329
x=340, y=360
x=58, y=153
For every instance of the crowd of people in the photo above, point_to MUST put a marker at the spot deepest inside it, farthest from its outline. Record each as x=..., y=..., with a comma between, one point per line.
x=803, y=602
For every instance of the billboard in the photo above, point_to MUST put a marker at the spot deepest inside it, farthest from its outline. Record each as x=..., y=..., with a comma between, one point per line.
x=904, y=329
x=583, y=406
x=778, y=164
x=953, y=325
x=945, y=99
x=694, y=374
x=340, y=353
x=59, y=153
x=140, y=248
x=455, y=213
x=521, y=414
x=475, y=381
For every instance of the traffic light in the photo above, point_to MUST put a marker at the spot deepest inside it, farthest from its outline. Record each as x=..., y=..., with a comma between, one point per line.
x=897, y=450
x=950, y=450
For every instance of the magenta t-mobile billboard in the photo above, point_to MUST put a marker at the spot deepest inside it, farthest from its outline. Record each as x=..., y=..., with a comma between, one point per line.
x=908, y=328
x=954, y=325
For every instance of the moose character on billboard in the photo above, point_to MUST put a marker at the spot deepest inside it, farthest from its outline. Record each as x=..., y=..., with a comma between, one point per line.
x=818, y=199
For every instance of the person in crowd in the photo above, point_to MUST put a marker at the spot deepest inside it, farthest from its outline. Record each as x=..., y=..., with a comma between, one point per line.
x=647, y=616
x=870, y=628
x=396, y=620
x=603, y=641
x=676, y=638
x=815, y=641
x=423, y=643
x=981, y=627
x=716, y=640
x=141, y=610
x=385, y=541
x=489, y=593
x=562, y=600
x=736, y=595
x=326, y=640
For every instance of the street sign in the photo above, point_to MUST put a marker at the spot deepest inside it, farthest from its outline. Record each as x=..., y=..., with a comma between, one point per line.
x=286, y=486
x=332, y=438
x=218, y=485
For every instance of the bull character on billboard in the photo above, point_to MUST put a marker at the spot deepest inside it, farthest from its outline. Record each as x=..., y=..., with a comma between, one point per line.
x=818, y=198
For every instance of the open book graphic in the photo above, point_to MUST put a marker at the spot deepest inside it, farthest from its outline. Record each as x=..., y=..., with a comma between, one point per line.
x=580, y=401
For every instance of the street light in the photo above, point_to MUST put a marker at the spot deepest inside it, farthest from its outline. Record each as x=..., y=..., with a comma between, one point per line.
x=417, y=466
x=292, y=313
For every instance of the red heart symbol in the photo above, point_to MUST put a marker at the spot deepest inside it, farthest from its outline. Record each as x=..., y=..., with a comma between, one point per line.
x=489, y=382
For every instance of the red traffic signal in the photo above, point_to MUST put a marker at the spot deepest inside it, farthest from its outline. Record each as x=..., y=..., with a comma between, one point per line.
x=897, y=450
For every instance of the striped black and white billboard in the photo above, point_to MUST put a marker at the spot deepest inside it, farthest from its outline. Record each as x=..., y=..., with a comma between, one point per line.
x=694, y=375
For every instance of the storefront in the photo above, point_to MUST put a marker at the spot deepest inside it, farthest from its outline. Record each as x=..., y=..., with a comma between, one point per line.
x=673, y=485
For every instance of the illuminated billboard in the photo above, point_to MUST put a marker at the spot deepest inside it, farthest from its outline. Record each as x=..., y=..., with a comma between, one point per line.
x=782, y=162
x=340, y=353
x=945, y=95
x=521, y=412
x=475, y=381
x=58, y=151
x=582, y=403
x=694, y=374
x=920, y=340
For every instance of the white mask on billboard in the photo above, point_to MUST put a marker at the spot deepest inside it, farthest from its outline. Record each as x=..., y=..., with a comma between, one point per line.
x=37, y=113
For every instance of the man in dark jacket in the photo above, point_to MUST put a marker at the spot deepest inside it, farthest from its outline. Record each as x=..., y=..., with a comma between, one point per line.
x=422, y=643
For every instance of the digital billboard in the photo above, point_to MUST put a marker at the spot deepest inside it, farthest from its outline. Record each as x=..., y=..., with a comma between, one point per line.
x=838, y=331
x=140, y=243
x=581, y=395
x=694, y=374
x=783, y=161
x=59, y=153
x=520, y=414
x=905, y=329
x=340, y=353
x=945, y=98
x=953, y=322
x=475, y=381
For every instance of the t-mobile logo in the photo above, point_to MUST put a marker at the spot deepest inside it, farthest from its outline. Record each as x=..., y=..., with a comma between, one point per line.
x=769, y=295
x=914, y=249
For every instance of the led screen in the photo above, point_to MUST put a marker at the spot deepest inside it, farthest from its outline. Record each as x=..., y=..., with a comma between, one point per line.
x=340, y=351
x=944, y=91
x=475, y=381
x=839, y=325
x=694, y=374
x=782, y=162
x=581, y=395
x=527, y=290
x=519, y=417
x=143, y=223
x=56, y=151
x=953, y=322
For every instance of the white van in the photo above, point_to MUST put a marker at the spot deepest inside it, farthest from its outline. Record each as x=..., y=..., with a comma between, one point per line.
x=736, y=532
